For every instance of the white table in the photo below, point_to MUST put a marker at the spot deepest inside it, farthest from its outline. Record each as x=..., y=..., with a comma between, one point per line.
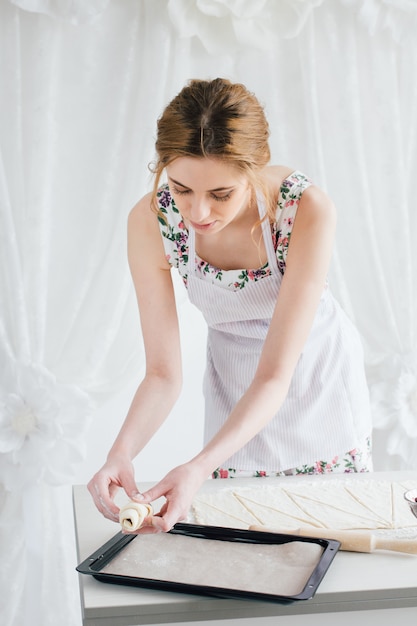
x=382, y=584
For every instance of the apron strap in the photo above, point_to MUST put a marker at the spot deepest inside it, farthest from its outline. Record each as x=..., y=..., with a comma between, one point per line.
x=267, y=235
x=191, y=265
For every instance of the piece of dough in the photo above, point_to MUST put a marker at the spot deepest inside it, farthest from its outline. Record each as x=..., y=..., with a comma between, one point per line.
x=336, y=504
x=223, y=504
x=133, y=514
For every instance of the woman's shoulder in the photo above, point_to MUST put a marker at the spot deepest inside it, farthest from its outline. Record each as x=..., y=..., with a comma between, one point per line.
x=286, y=186
x=156, y=215
x=141, y=211
x=169, y=216
x=294, y=190
x=281, y=177
x=160, y=206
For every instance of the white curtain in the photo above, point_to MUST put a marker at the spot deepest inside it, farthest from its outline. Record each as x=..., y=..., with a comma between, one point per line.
x=81, y=85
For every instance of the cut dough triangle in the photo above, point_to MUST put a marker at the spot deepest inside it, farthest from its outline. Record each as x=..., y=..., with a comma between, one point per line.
x=274, y=497
x=272, y=508
x=268, y=516
x=331, y=516
x=222, y=509
x=376, y=498
x=402, y=517
x=339, y=497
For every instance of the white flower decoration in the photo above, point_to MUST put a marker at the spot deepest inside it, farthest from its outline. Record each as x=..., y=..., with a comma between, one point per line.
x=73, y=11
x=42, y=427
x=393, y=390
x=399, y=17
x=221, y=25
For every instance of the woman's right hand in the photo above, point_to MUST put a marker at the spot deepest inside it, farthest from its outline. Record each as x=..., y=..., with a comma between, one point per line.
x=116, y=473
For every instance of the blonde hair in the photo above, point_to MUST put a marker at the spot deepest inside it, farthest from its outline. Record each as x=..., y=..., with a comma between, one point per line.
x=217, y=119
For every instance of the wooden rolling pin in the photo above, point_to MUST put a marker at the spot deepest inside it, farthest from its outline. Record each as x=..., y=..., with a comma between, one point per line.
x=351, y=540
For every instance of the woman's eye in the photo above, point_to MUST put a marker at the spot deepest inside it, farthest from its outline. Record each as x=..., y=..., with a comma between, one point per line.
x=222, y=198
x=183, y=192
x=180, y=192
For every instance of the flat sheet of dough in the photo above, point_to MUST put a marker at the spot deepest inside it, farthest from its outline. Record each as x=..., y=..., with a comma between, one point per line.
x=338, y=504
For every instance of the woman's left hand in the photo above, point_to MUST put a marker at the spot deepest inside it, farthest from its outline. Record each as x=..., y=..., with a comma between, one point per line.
x=178, y=488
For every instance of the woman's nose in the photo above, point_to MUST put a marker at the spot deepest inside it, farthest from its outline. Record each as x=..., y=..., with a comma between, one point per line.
x=199, y=210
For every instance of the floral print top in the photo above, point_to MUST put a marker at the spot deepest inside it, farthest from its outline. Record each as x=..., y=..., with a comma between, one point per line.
x=175, y=236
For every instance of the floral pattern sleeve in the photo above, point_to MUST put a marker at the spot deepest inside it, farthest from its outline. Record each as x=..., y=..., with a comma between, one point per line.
x=290, y=194
x=174, y=233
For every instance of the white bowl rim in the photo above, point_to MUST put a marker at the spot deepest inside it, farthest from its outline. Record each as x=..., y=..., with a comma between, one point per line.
x=411, y=496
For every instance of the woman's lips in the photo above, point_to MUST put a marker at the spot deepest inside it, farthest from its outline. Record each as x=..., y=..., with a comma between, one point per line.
x=202, y=227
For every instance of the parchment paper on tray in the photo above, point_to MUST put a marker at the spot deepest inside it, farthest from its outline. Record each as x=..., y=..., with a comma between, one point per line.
x=277, y=569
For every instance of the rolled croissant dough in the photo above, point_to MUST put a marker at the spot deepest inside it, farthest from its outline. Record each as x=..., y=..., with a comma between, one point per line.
x=337, y=504
x=133, y=514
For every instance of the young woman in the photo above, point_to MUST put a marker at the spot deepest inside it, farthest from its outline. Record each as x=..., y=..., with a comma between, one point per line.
x=284, y=387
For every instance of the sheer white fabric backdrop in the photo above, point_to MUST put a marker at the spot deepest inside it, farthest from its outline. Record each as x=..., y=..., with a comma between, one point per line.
x=81, y=86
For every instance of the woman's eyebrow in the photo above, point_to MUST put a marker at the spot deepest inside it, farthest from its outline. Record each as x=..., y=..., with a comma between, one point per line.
x=177, y=182
x=221, y=189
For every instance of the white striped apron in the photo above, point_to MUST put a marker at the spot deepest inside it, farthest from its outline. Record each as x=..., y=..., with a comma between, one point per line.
x=326, y=411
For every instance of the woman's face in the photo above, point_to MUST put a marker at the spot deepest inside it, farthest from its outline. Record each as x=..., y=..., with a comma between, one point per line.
x=209, y=193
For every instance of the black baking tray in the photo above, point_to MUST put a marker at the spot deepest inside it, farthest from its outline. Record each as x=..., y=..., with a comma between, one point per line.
x=103, y=557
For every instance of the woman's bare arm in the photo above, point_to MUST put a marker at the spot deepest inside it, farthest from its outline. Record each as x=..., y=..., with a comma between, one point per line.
x=160, y=387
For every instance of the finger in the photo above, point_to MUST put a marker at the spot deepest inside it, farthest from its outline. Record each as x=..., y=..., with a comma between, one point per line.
x=156, y=524
x=147, y=530
x=171, y=513
x=127, y=481
x=102, y=501
x=163, y=524
x=109, y=509
x=155, y=492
